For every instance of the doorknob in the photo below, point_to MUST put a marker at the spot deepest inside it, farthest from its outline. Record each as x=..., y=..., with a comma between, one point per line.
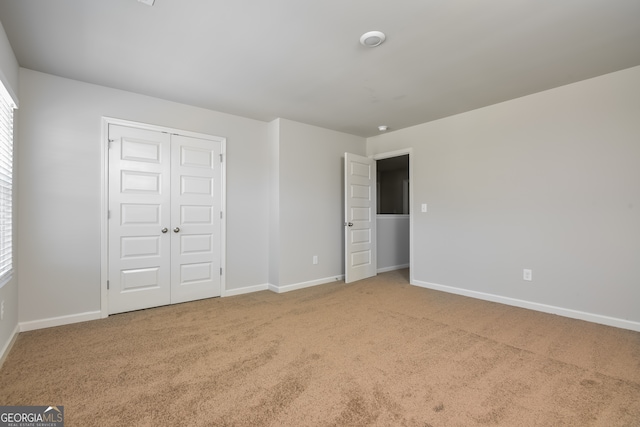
x=350, y=224
x=164, y=230
x=176, y=230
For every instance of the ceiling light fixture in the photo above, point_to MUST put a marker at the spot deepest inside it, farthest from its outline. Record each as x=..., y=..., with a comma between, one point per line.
x=383, y=128
x=372, y=38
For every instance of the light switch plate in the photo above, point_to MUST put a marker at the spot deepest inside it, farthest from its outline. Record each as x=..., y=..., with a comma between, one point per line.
x=424, y=207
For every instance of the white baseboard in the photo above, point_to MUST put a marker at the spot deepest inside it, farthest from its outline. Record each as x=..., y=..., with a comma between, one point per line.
x=302, y=285
x=392, y=268
x=59, y=321
x=7, y=347
x=245, y=290
x=560, y=311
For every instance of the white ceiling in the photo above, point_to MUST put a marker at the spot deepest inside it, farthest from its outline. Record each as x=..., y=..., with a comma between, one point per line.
x=301, y=59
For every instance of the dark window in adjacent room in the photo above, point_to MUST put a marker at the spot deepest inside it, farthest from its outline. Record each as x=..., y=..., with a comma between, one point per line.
x=393, y=185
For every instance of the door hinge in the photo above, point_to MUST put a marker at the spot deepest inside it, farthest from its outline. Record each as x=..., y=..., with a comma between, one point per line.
x=220, y=214
x=109, y=214
x=221, y=271
x=221, y=158
x=107, y=285
x=109, y=143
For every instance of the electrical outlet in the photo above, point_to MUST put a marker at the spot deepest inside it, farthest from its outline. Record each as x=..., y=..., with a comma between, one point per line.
x=2, y=310
x=315, y=259
x=527, y=275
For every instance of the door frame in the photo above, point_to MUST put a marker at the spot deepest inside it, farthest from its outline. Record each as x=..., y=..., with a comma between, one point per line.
x=398, y=153
x=104, y=200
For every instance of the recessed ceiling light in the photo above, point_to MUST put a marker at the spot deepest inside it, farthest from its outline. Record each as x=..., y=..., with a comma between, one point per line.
x=147, y=2
x=372, y=38
x=383, y=128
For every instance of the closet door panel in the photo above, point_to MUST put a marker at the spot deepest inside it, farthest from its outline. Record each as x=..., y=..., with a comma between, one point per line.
x=196, y=193
x=139, y=209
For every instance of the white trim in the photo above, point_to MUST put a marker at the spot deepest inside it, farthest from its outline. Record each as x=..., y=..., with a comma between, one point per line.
x=393, y=268
x=7, y=347
x=245, y=290
x=302, y=285
x=565, y=312
x=104, y=220
x=398, y=153
x=223, y=222
x=158, y=128
x=104, y=199
x=9, y=89
x=59, y=321
x=389, y=154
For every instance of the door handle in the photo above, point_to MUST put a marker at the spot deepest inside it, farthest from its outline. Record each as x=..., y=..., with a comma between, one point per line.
x=350, y=224
x=164, y=230
x=176, y=230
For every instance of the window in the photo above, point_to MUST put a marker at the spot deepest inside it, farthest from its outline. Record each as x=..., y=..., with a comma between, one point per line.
x=6, y=184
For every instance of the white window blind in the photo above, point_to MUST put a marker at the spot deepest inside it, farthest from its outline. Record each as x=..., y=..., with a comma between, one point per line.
x=6, y=184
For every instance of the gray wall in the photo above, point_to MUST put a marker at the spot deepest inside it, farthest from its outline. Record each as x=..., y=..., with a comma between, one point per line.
x=274, y=202
x=310, y=202
x=9, y=68
x=549, y=182
x=60, y=183
x=392, y=241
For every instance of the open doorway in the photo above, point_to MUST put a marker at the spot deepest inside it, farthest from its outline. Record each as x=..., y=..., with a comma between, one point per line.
x=393, y=213
x=368, y=232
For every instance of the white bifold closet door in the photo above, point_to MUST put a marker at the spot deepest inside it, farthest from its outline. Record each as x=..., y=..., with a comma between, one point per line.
x=165, y=201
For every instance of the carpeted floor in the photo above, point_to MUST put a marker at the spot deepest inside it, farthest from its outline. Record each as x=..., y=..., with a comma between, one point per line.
x=375, y=352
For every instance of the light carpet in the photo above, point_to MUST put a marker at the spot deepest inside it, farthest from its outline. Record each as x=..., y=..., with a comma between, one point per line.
x=375, y=352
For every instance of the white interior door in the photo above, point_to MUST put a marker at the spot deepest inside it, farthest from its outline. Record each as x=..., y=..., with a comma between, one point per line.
x=139, y=212
x=196, y=181
x=360, y=217
x=165, y=227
